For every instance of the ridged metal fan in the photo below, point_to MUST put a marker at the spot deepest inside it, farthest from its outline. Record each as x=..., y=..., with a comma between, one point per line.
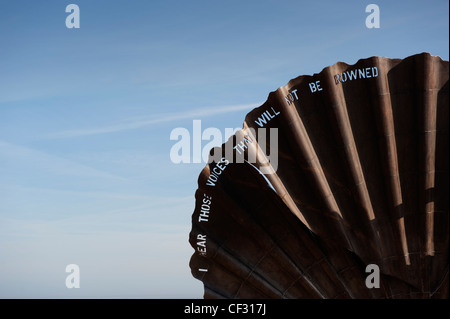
x=351, y=170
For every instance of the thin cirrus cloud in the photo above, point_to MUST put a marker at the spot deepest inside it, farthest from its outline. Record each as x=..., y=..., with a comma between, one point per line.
x=141, y=122
x=27, y=161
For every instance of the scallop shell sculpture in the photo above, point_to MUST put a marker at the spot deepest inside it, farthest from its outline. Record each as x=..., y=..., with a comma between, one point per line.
x=351, y=170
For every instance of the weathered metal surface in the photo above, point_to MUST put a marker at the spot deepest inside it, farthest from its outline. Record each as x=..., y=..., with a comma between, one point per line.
x=362, y=178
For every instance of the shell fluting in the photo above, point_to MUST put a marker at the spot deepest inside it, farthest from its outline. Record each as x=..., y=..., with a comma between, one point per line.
x=351, y=170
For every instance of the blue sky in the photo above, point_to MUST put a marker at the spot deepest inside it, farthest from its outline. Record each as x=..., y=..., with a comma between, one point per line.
x=86, y=115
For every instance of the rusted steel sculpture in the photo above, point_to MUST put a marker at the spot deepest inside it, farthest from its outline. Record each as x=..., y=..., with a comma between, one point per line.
x=359, y=175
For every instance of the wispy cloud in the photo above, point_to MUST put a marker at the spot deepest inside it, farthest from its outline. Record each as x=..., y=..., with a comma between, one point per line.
x=26, y=160
x=136, y=123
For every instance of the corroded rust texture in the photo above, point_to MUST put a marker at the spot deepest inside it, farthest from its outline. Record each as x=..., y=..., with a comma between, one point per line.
x=361, y=178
